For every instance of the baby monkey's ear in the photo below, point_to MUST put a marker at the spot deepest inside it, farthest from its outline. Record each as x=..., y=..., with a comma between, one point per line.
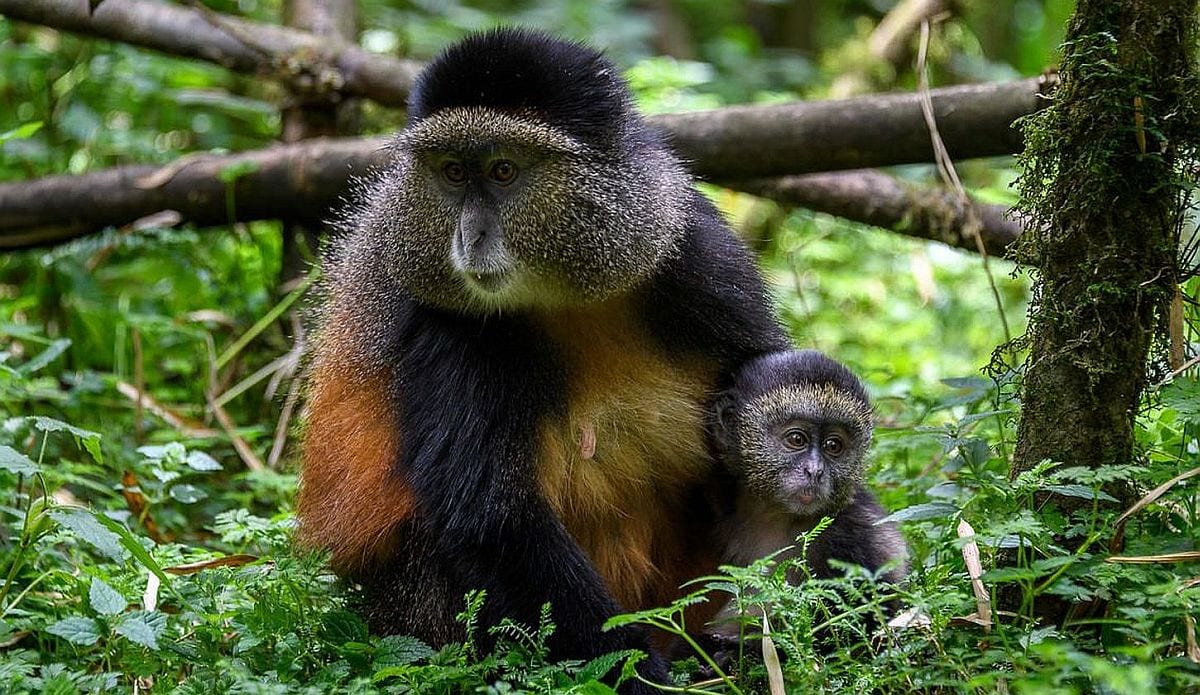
x=722, y=419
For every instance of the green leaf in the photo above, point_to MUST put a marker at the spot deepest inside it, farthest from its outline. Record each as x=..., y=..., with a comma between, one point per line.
x=973, y=383
x=593, y=687
x=59, y=684
x=917, y=512
x=200, y=461
x=14, y=461
x=977, y=417
x=76, y=630
x=87, y=527
x=398, y=650
x=629, y=669
x=134, y=546
x=1083, y=491
x=88, y=439
x=343, y=626
x=173, y=452
x=49, y=424
x=105, y=600
x=46, y=356
x=600, y=666
x=142, y=627
x=1037, y=569
x=165, y=476
x=1183, y=396
x=187, y=494
x=21, y=132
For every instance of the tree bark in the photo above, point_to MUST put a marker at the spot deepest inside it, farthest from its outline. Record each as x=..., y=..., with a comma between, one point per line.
x=303, y=181
x=874, y=198
x=306, y=118
x=730, y=143
x=1103, y=186
x=741, y=142
x=304, y=61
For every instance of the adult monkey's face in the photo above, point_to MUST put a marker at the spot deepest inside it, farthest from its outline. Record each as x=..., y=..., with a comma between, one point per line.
x=491, y=206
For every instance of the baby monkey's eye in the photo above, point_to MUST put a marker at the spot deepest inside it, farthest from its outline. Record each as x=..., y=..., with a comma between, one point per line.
x=454, y=173
x=833, y=445
x=503, y=172
x=796, y=439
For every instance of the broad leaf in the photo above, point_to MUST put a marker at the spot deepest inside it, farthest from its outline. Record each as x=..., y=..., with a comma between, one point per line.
x=105, y=600
x=76, y=630
x=14, y=461
x=143, y=627
x=85, y=525
x=917, y=512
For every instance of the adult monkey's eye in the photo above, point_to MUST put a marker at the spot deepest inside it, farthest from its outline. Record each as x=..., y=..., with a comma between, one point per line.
x=796, y=439
x=454, y=173
x=503, y=172
x=833, y=445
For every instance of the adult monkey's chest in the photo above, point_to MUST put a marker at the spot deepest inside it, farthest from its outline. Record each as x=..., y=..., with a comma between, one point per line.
x=623, y=458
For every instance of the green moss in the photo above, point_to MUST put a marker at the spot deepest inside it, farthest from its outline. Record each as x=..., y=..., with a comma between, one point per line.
x=1108, y=166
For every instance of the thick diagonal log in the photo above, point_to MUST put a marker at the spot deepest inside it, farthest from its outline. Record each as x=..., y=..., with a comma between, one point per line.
x=290, y=182
x=307, y=180
x=306, y=62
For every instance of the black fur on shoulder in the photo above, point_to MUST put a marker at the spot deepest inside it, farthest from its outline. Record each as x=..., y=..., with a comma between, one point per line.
x=526, y=72
x=797, y=367
x=687, y=303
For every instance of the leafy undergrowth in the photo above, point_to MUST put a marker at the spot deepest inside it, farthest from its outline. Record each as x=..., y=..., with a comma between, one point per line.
x=158, y=569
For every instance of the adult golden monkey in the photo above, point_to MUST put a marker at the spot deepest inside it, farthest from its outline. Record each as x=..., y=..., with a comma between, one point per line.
x=525, y=319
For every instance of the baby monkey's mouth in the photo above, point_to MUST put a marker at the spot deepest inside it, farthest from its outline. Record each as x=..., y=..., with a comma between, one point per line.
x=806, y=500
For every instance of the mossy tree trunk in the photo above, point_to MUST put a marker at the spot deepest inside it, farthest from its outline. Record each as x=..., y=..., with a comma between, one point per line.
x=1103, y=185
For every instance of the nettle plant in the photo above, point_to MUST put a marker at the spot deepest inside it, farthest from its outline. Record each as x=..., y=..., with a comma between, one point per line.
x=128, y=565
x=96, y=593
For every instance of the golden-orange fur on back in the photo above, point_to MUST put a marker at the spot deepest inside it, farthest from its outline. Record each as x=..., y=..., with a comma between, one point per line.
x=351, y=495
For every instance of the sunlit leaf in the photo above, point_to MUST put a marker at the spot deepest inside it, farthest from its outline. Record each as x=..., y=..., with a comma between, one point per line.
x=76, y=630
x=86, y=526
x=142, y=627
x=104, y=599
x=21, y=132
x=14, y=461
x=45, y=357
x=200, y=461
x=918, y=512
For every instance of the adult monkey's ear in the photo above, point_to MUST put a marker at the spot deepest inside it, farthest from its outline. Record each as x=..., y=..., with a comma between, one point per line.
x=722, y=420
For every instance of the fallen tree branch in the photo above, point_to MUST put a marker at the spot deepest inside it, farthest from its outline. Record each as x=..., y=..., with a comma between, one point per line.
x=304, y=61
x=305, y=181
x=740, y=142
x=874, y=198
x=290, y=182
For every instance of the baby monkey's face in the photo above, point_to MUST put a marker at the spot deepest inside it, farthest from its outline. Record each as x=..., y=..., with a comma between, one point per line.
x=799, y=453
x=812, y=456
